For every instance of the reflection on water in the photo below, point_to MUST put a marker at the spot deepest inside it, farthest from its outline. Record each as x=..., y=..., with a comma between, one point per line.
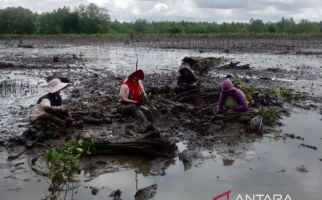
x=268, y=168
x=228, y=162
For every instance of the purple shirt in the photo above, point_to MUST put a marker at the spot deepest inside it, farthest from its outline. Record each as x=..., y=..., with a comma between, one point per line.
x=239, y=98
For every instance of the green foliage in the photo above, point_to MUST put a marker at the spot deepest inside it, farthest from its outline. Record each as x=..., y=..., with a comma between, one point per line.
x=91, y=19
x=84, y=19
x=257, y=26
x=140, y=26
x=287, y=94
x=16, y=21
x=237, y=81
x=63, y=163
x=270, y=115
x=286, y=26
x=250, y=91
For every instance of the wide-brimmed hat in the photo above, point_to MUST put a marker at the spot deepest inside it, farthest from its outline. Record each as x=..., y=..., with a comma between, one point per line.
x=55, y=85
x=138, y=74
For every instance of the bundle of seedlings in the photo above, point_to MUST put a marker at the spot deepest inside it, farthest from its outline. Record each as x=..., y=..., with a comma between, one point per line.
x=265, y=116
x=256, y=119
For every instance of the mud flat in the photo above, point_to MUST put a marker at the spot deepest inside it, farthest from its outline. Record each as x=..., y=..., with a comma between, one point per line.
x=206, y=165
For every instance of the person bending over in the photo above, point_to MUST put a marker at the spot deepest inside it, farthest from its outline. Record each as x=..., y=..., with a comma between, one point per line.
x=231, y=98
x=131, y=92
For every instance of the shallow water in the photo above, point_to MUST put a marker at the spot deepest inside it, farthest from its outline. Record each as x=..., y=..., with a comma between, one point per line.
x=257, y=171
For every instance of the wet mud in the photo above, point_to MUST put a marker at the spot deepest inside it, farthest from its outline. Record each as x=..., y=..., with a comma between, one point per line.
x=187, y=122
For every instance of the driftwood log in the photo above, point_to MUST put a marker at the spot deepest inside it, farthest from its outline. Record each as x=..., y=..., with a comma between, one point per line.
x=29, y=46
x=151, y=145
x=234, y=65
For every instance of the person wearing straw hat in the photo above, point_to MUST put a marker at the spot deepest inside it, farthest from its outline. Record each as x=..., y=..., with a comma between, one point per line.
x=232, y=98
x=49, y=118
x=131, y=93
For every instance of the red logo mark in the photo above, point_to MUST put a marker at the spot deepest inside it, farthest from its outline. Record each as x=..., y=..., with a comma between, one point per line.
x=225, y=194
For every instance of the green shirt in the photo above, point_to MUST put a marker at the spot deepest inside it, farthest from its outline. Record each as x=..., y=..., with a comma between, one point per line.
x=230, y=102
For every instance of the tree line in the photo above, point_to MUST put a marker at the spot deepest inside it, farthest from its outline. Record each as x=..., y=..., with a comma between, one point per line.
x=91, y=19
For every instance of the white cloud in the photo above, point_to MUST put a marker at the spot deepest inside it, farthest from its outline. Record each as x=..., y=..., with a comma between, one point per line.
x=192, y=10
x=159, y=8
x=123, y=4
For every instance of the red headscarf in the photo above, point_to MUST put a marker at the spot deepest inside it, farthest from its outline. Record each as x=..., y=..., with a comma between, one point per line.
x=134, y=86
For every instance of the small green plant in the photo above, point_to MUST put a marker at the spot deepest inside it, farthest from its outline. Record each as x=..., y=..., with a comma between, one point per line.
x=236, y=81
x=250, y=91
x=63, y=164
x=287, y=94
x=271, y=115
x=265, y=116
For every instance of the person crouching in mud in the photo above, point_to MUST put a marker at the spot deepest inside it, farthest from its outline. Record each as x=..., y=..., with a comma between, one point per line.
x=231, y=98
x=130, y=94
x=187, y=79
x=48, y=116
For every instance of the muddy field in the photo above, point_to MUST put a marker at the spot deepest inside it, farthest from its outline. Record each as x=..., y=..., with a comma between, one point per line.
x=205, y=165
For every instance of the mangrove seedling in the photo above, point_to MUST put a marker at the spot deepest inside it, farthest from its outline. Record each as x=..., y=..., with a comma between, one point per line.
x=63, y=164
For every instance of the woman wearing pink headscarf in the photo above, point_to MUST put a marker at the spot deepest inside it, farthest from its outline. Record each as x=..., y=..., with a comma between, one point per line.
x=232, y=98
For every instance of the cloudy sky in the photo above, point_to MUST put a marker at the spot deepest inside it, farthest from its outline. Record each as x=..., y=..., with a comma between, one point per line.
x=190, y=10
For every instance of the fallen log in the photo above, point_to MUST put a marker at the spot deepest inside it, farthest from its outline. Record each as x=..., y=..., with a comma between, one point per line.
x=151, y=145
x=29, y=46
x=234, y=65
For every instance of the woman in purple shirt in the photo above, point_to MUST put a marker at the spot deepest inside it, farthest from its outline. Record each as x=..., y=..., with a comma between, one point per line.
x=232, y=98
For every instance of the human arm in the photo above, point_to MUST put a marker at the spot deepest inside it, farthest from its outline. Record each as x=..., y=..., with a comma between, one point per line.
x=124, y=94
x=241, y=101
x=46, y=105
x=142, y=88
x=60, y=111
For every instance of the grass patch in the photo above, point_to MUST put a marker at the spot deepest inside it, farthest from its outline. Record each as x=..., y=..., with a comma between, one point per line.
x=287, y=94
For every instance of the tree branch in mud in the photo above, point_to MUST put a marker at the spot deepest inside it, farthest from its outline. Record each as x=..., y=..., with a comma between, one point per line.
x=234, y=65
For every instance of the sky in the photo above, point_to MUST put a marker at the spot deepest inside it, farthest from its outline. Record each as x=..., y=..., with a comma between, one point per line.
x=189, y=10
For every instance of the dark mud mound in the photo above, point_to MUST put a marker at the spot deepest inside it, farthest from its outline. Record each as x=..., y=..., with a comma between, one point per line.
x=202, y=65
